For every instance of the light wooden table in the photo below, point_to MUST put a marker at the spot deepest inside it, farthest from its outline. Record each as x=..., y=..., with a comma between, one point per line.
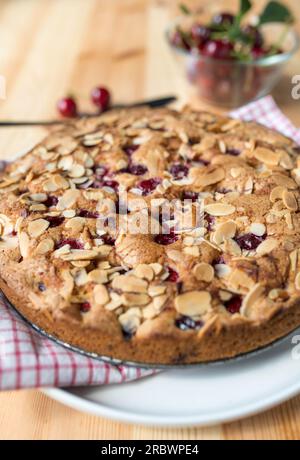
x=51, y=47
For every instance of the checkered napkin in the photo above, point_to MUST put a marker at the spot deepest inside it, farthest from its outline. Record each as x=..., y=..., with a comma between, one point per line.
x=29, y=360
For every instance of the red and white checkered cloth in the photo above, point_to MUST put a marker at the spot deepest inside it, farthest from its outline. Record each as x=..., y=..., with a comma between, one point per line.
x=29, y=360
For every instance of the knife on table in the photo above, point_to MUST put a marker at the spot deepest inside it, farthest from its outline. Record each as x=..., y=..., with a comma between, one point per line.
x=161, y=102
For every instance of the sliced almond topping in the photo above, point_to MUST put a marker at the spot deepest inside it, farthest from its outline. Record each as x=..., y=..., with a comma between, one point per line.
x=68, y=285
x=68, y=199
x=144, y=271
x=77, y=170
x=38, y=197
x=101, y=295
x=98, y=276
x=37, y=227
x=203, y=180
x=76, y=224
x=24, y=244
x=80, y=276
x=129, y=283
x=130, y=320
x=135, y=299
x=193, y=303
x=154, y=291
x=116, y=302
x=297, y=282
x=266, y=156
x=289, y=200
x=253, y=295
x=225, y=295
x=45, y=246
x=204, y=272
x=222, y=270
x=224, y=231
x=284, y=181
x=294, y=260
x=219, y=209
x=69, y=213
x=258, y=229
x=231, y=247
x=156, y=267
x=266, y=246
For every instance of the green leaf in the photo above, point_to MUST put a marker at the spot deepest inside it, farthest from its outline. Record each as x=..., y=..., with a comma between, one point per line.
x=276, y=12
x=245, y=6
x=184, y=9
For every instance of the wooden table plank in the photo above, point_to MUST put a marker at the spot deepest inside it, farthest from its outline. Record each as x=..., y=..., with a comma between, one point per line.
x=55, y=46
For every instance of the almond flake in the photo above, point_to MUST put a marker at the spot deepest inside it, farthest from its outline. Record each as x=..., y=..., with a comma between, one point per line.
x=266, y=156
x=76, y=224
x=130, y=320
x=222, y=270
x=203, y=180
x=101, y=296
x=219, y=209
x=144, y=271
x=77, y=170
x=44, y=246
x=289, y=200
x=193, y=303
x=69, y=213
x=258, y=229
x=156, y=290
x=68, y=199
x=68, y=285
x=204, y=272
x=266, y=247
x=37, y=227
x=156, y=267
x=253, y=295
x=38, y=197
x=131, y=299
x=277, y=193
x=284, y=181
x=129, y=283
x=232, y=248
x=294, y=260
x=98, y=276
x=224, y=231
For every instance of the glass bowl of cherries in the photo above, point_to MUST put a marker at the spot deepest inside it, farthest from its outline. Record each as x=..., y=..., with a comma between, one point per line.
x=232, y=61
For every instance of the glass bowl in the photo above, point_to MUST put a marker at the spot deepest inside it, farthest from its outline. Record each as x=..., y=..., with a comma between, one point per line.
x=231, y=83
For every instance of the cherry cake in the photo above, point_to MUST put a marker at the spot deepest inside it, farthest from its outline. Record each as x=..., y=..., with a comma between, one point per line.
x=226, y=284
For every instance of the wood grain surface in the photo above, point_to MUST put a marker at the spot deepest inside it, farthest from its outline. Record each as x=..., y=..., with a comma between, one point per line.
x=52, y=47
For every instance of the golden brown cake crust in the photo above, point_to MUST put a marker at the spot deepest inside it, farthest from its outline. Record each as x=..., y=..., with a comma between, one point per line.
x=223, y=285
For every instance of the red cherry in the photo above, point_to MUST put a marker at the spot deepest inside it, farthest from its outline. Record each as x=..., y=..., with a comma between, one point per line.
x=234, y=304
x=85, y=307
x=218, y=49
x=173, y=275
x=200, y=33
x=249, y=241
x=101, y=97
x=258, y=52
x=254, y=34
x=67, y=107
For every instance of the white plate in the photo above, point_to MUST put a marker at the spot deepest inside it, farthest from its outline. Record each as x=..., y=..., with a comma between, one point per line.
x=203, y=396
